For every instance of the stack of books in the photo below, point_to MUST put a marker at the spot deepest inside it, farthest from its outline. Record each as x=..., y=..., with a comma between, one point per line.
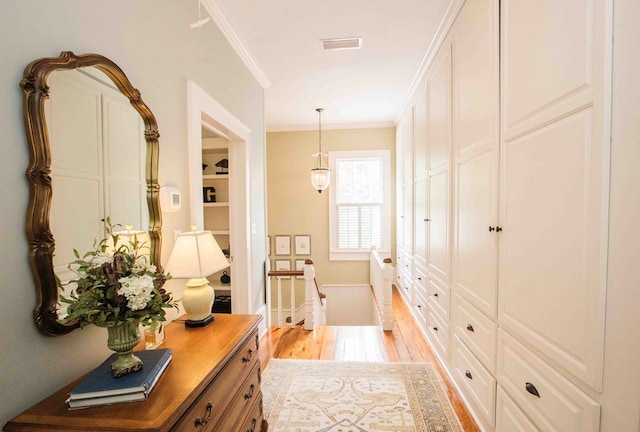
x=101, y=388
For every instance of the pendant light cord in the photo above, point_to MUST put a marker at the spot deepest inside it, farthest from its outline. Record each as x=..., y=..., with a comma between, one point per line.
x=319, y=136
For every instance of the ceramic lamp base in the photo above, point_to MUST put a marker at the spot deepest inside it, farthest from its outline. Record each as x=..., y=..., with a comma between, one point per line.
x=197, y=300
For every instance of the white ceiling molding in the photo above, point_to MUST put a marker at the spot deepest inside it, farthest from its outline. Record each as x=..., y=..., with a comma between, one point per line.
x=441, y=33
x=214, y=11
x=337, y=126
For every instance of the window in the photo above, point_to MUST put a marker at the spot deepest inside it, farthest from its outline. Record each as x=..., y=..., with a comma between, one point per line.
x=360, y=201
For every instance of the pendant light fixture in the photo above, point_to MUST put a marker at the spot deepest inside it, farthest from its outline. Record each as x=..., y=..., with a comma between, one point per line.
x=320, y=176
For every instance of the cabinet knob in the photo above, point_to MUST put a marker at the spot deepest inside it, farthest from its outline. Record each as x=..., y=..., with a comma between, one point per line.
x=468, y=374
x=491, y=228
x=254, y=422
x=532, y=389
x=200, y=422
x=249, y=395
x=498, y=229
x=470, y=327
x=427, y=220
x=436, y=295
x=435, y=329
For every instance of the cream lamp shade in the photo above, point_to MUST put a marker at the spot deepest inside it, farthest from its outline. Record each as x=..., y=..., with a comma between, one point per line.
x=128, y=238
x=195, y=255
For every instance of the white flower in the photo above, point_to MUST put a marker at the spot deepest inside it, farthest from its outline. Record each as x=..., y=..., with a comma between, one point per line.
x=138, y=290
x=101, y=258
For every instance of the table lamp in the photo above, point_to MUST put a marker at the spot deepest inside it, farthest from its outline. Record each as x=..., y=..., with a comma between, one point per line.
x=130, y=237
x=195, y=255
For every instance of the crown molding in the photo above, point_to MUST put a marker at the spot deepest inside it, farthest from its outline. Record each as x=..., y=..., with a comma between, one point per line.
x=215, y=12
x=336, y=126
x=441, y=33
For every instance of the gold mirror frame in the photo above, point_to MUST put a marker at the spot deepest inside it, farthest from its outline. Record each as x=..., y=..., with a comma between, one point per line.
x=41, y=241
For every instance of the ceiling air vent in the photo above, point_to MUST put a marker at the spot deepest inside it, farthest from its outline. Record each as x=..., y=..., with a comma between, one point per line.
x=341, y=43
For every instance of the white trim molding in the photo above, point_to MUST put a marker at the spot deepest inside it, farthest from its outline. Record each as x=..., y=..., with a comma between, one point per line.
x=214, y=10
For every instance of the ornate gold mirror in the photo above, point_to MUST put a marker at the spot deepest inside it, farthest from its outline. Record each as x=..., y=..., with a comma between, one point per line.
x=42, y=151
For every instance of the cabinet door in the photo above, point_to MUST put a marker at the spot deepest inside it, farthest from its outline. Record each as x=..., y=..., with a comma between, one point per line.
x=554, y=180
x=407, y=180
x=439, y=149
x=420, y=224
x=475, y=129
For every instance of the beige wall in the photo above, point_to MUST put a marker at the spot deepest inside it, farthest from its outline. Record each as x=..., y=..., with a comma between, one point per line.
x=152, y=42
x=294, y=207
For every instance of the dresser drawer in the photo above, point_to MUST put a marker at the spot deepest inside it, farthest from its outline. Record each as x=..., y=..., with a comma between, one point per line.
x=254, y=421
x=509, y=417
x=438, y=294
x=242, y=402
x=478, y=332
x=215, y=399
x=438, y=332
x=549, y=399
x=475, y=381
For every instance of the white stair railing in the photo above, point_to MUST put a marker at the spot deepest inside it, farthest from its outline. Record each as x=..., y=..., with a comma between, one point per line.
x=315, y=301
x=381, y=277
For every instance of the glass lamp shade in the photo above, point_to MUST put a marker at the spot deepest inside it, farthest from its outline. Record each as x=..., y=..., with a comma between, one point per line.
x=196, y=255
x=320, y=178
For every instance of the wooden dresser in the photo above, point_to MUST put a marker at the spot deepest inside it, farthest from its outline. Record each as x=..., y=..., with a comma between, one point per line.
x=212, y=384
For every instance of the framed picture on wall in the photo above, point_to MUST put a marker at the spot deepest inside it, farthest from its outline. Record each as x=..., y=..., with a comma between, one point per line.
x=283, y=265
x=300, y=266
x=283, y=245
x=303, y=244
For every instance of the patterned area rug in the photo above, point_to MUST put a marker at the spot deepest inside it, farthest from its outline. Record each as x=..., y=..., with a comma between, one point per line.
x=331, y=396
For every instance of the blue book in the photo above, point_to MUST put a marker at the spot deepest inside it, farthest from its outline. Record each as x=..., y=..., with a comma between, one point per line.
x=100, y=382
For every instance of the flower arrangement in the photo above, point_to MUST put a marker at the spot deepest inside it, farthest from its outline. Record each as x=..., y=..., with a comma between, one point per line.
x=116, y=284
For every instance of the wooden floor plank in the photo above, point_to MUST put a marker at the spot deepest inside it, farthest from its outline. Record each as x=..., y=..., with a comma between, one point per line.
x=404, y=343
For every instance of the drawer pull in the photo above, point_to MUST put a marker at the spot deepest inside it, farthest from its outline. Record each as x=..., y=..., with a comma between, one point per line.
x=199, y=421
x=254, y=422
x=491, y=228
x=249, y=395
x=532, y=389
x=470, y=327
x=435, y=329
x=419, y=278
x=247, y=359
x=418, y=306
x=435, y=294
x=468, y=374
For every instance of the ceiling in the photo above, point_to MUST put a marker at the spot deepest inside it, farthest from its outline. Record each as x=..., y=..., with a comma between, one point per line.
x=280, y=42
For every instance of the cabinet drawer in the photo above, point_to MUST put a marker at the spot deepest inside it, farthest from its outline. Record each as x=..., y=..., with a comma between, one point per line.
x=475, y=381
x=439, y=297
x=215, y=399
x=421, y=309
x=438, y=332
x=478, y=332
x=509, y=417
x=550, y=400
x=420, y=280
x=242, y=402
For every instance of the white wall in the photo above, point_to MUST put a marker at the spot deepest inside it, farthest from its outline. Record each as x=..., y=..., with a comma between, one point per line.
x=152, y=42
x=350, y=305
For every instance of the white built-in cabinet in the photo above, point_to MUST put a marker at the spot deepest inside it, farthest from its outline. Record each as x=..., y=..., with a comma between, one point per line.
x=509, y=149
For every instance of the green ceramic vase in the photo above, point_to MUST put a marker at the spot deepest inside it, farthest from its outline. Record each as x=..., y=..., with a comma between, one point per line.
x=123, y=337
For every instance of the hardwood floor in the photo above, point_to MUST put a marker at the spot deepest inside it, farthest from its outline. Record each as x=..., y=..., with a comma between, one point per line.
x=361, y=343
